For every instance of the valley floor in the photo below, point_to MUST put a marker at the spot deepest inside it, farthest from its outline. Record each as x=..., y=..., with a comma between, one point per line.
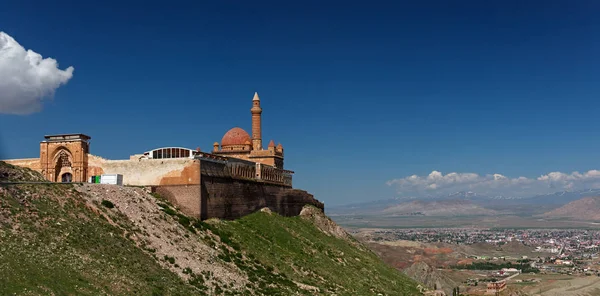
x=435, y=264
x=558, y=285
x=501, y=221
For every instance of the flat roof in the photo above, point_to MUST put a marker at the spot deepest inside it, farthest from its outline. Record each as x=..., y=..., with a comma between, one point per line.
x=67, y=137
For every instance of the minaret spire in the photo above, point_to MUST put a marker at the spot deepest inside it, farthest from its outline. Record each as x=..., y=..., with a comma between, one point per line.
x=256, y=125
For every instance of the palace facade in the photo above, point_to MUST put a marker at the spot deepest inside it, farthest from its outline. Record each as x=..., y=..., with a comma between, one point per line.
x=236, y=178
x=67, y=158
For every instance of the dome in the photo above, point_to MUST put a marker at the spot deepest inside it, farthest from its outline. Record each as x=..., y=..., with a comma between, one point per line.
x=235, y=136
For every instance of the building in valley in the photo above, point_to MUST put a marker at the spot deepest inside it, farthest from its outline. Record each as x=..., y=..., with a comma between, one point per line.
x=493, y=288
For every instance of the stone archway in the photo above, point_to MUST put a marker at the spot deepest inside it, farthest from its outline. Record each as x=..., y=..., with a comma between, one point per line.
x=63, y=166
x=67, y=153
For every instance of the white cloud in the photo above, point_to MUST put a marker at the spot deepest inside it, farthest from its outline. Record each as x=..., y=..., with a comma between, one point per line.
x=26, y=78
x=437, y=184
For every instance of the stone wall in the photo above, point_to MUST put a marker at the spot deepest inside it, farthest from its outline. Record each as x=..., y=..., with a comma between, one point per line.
x=31, y=163
x=187, y=197
x=146, y=172
x=228, y=198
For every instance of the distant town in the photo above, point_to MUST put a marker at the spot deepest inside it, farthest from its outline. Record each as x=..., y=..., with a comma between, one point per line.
x=567, y=245
x=489, y=260
x=553, y=241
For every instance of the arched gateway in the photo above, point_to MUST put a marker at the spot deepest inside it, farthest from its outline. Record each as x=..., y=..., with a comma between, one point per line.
x=64, y=158
x=63, y=165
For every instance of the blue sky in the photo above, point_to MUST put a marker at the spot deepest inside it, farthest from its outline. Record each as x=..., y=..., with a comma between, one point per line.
x=360, y=94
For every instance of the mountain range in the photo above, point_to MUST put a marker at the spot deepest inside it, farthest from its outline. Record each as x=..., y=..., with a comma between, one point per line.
x=453, y=207
x=587, y=208
x=548, y=201
x=559, y=197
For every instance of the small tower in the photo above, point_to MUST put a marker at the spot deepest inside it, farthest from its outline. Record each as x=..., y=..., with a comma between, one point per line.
x=271, y=146
x=216, y=146
x=256, y=125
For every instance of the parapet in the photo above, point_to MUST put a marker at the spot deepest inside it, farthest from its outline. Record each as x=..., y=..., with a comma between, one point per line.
x=67, y=137
x=220, y=166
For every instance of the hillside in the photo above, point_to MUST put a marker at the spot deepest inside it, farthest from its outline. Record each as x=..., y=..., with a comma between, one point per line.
x=429, y=263
x=432, y=278
x=97, y=239
x=455, y=207
x=11, y=173
x=587, y=208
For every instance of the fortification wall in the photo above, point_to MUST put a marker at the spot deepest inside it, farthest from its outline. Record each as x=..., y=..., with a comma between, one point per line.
x=147, y=172
x=31, y=163
x=186, y=197
x=228, y=198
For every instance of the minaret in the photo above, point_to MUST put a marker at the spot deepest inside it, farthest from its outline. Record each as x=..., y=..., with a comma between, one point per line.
x=256, y=131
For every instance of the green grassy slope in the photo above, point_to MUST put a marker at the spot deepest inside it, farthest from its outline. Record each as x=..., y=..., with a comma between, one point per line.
x=295, y=247
x=64, y=239
x=50, y=242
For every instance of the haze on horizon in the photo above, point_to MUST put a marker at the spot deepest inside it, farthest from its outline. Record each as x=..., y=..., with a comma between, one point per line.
x=370, y=101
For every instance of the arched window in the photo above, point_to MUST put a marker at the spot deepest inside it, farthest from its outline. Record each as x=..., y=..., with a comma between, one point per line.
x=63, y=159
x=170, y=152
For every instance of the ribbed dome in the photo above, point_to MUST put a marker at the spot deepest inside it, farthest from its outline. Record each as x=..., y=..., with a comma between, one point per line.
x=235, y=136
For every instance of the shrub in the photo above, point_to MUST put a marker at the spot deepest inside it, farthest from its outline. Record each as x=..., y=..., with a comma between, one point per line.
x=197, y=281
x=183, y=220
x=107, y=204
x=170, y=259
x=169, y=211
